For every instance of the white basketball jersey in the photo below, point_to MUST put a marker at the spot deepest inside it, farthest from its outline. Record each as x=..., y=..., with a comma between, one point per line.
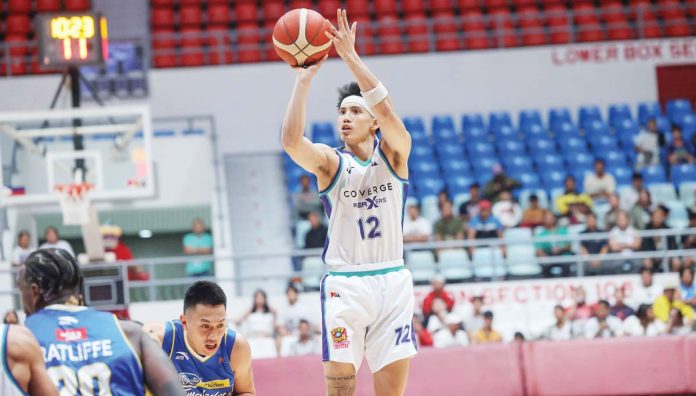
x=8, y=384
x=365, y=205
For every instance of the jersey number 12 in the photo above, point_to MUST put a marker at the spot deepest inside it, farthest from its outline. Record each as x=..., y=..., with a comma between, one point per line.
x=373, y=223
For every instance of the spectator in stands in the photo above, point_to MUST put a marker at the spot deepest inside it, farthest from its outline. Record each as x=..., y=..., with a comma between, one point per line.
x=438, y=292
x=600, y=184
x=533, y=216
x=316, y=236
x=689, y=240
x=452, y=335
x=620, y=309
x=307, y=342
x=485, y=225
x=643, y=324
x=472, y=314
x=506, y=210
x=603, y=325
x=53, y=241
x=442, y=197
x=518, y=337
x=579, y=312
x=598, y=246
x=305, y=201
x=573, y=204
x=623, y=239
x=424, y=336
x=655, y=243
x=198, y=242
x=23, y=248
x=629, y=196
x=641, y=212
x=259, y=320
x=11, y=317
x=553, y=248
x=486, y=334
x=676, y=324
x=111, y=237
x=687, y=286
x=614, y=209
x=290, y=315
x=448, y=227
x=670, y=299
x=416, y=227
x=499, y=183
x=561, y=330
x=648, y=291
x=470, y=209
x=647, y=144
x=438, y=313
x=679, y=151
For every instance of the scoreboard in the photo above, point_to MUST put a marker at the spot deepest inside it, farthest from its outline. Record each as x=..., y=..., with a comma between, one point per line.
x=72, y=39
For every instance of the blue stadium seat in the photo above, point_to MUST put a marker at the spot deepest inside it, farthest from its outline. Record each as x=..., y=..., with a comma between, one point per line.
x=580, y=159
x=329, y=140
x=683, y=173
x=687, y=122
x=662, y=192
x=459, y=184
x=653, y=174
x=678, y=214
x=572, y=143
x=419, y=137
x=449, y=150
x=530, y=117
x=477, y=149
x=627, y=126
x=664, y=125
x=422, y=151
x=518, y=164
x=549, y=161
x=472, y=120
x=484, y=163
x=619, y=112
x=647, y=110
x=444, y=135
x=505, y=132
x=687, y=193
x=612, y=157
x=414, y=123
x=553, y=178
x=457, y=167
x=511, y=147
x=475, y=133
x=322, y=129
x=529, y=180
x=483, y=176
x=499, y=118
x=677, y=107
x=579, y=174
x=622, y=175
x=442, y=122
x=604, y=143
x=535, y=131
x=565, y=129
x=428, y=187
x=542, y=146
x=595, y=128
x=558, y=116
x=588, y=114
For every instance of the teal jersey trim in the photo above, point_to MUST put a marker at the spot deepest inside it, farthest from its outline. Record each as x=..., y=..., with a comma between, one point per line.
x=368, y=273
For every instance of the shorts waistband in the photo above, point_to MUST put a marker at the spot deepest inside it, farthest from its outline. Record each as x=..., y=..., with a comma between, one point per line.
x=380, y=271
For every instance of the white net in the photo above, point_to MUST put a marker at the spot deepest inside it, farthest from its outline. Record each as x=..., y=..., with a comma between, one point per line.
x=75, y=203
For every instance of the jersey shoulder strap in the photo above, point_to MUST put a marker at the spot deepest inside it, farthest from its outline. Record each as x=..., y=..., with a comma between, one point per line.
x=169, y=338
x=230, y=338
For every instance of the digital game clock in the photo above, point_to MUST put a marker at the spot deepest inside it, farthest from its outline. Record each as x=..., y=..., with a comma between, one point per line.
x=72, y=39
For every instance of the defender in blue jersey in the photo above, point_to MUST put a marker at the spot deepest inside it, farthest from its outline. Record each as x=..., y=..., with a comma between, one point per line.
x=211, y=359
x=87, y=352
x=23, y=371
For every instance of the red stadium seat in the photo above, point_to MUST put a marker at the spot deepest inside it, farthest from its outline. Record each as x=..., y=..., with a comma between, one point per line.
x=196, y=3
x=365, y=36
x=246, y=12
x=559, y=34
x=412, y=7
x=358, y=7
x=524, y=3
x=18, y=24
x=273, y=10
x=417, y=33
x=386, y=6
x=613, y=12
x=77, y=5
x=446, y=38
x=191, y=37
x=469, y=5
x=440, y=5
x=500, y=19
x=162, y=17
x=650, y=29
x=17, y=67
x=590, y=32
x=302, y=4
x=219, y=42
x=690, y=7
x=162, y=3
x=677, y=27
x=48, y=5
x=492, y=4
x=473, y=20
x=556, y=15
x=19, y=6
x=641, y=10
x=165, y=60
x=218, y=14
x=670, y=9
x=328, y=8
x=528, y=16
x=390, y=35
x=547, y=3
x=163, y=38
x=267, y=48
x=190, y=16
x=534, y=36
x=248, y=42
x=192, y=56
x=584, y=14
x=18, y=46
x=619, y=31
x=476, y=39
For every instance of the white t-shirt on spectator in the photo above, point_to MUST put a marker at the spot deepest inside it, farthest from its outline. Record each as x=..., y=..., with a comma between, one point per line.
x=60, y=244
x=628, y=198
x=646, y=295
x=259, y=324
x=556, y=333
x=434, y=324
x=311, y=346
x=445, y=339
x=20, y=254
x=615, y=328
x=419, y=226
x=626, y=236
x=289, y=316
x=648, y=141
x=632, y=327
x=508, y=213
x=595, y=184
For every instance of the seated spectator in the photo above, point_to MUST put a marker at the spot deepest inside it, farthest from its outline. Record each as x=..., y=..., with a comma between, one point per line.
x=533, y=216
x=436, y=320
x=53, y=241
x=113, y=243
x=621, y=310
x=260, y=319
x=670, y=299
x=561, y=330
x=648, y=291
x=448, y=227
x=506, y=210
x=689, y=240
x=23, y=248
x=647, y=144
x=641, y=212
x=518, y=337
x=305, y=201
x=623, y=239
x=469, y=209
x=416, y=227
x=579, y=312
x=424, y=336
x=614, y=209
x=600, y=184
x=307, y=343
x=643, y=324
x=485, y=225
x=572, y=204
x=11, y=317
x=472, y=314
x=452, y=335
x=602, y=325
x=486, y=334
x=553, y=248
x=688, y=287
x=679, y=152
x=442, y=197
x=499, y=183
x=599, y=246
x=198, y=242
x=629, y=197
x=290, y=315
x=655, y=243
x=438, y=291
x=316, y=236
x=676, y=324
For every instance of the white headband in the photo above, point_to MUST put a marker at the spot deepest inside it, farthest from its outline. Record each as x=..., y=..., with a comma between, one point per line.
x=358, y=101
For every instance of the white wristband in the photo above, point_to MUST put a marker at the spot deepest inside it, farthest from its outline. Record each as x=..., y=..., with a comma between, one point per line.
x=375, y=95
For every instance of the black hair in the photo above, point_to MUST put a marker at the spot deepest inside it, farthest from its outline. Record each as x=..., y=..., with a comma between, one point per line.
x=52, y=228
x=55, y=272
x=305, y=321
x=475, y=185
x=570, y=177
x=533, y=197
x=646, y=269
x=266, y=308
x=206, y=293
x=291, y=287
x=22, y=233
x=488, y=314
x=558, y=306
x=599, y=161
x=636, y=176
x=684, y=269
x=519, y=335
x=642, y=312
x=604, y=302
x=350, y=89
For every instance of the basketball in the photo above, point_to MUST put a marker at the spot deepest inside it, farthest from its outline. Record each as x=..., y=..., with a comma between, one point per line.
x=299, y=39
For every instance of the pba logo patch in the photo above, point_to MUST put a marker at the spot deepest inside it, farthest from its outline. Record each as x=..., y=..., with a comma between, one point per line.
x=334, y=295
x=339, y=335
x=69, y=335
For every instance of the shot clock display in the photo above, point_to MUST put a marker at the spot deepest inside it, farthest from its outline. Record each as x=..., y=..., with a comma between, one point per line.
x=72, y=39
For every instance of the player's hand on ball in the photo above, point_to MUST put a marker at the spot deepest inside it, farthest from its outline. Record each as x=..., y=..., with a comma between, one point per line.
x=343, y=38
x=308, y=72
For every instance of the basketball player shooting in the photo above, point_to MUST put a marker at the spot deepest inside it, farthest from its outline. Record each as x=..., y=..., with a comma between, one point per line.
x=363, y=186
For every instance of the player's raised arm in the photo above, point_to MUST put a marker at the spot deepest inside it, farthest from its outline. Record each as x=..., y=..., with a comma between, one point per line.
x=393, y=130
x=27, y=362
x=240, y=361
